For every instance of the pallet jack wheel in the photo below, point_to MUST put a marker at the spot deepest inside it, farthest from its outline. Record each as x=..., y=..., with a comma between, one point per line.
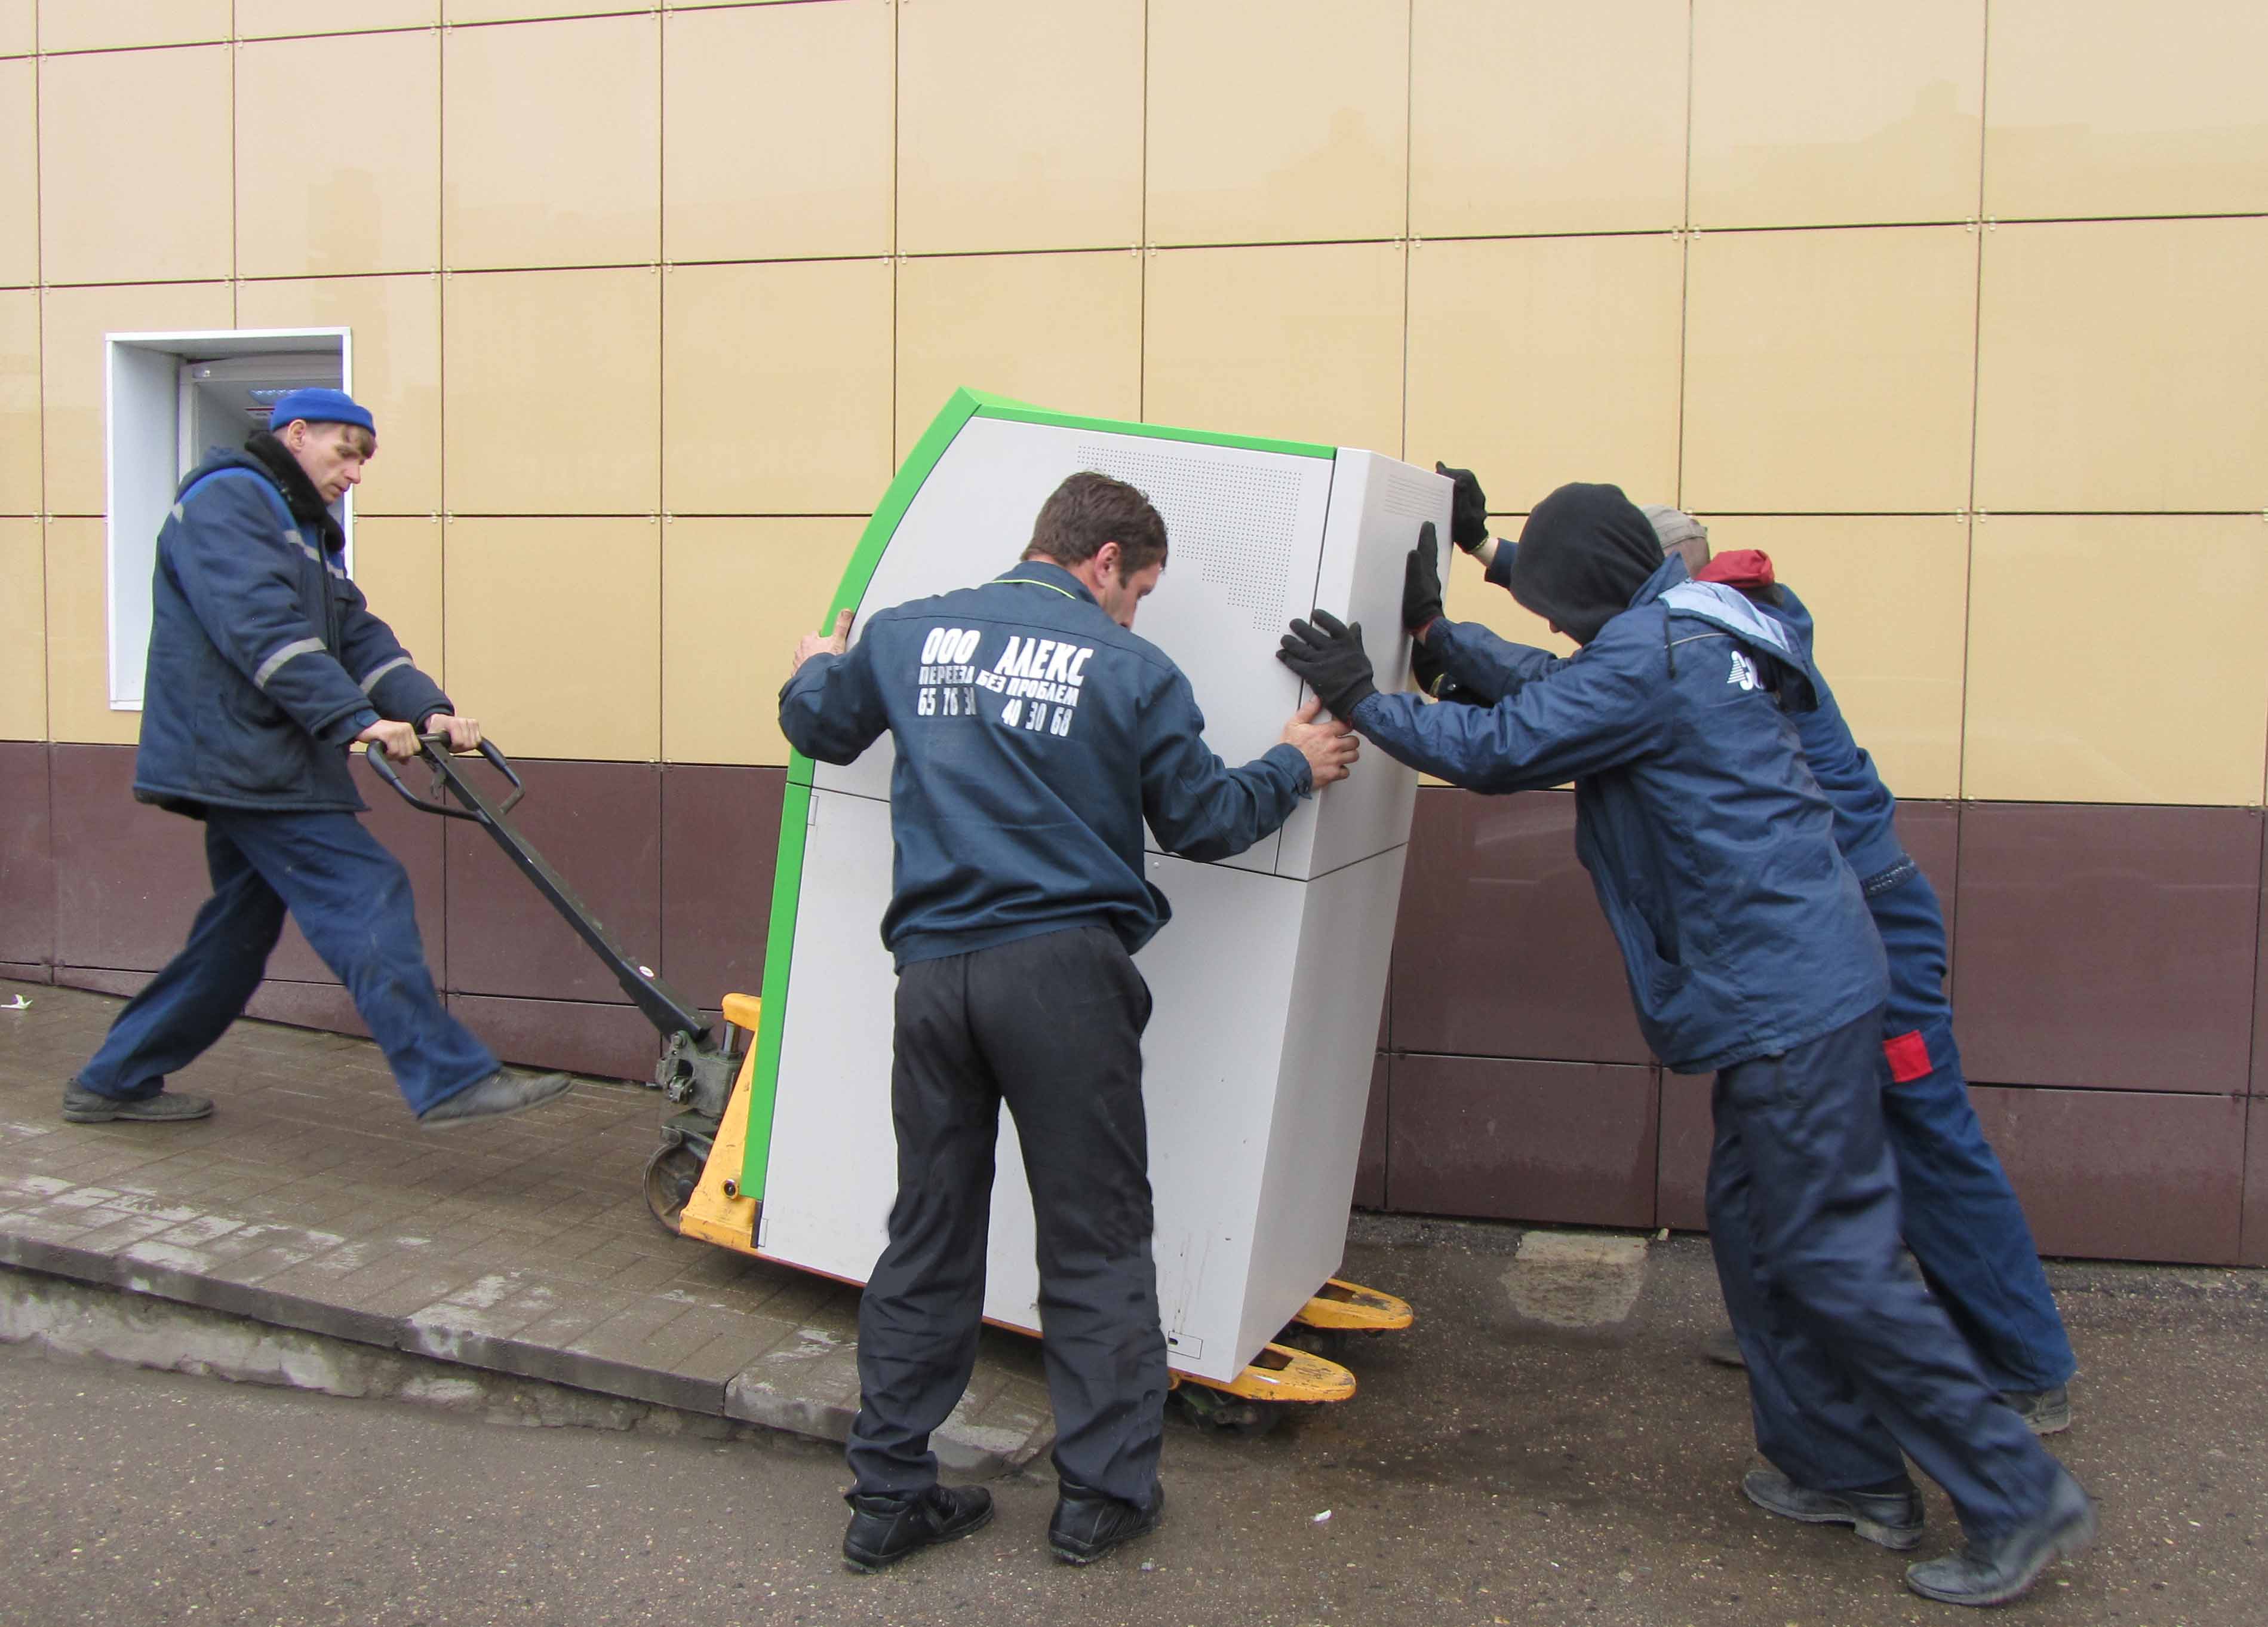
x=1218, y=1413
x=671, y=1174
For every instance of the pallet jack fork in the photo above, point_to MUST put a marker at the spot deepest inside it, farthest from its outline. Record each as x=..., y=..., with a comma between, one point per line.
x=691, y=1181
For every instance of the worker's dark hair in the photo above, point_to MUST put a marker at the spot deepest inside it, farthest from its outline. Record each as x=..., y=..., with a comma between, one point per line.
x=1087, y=510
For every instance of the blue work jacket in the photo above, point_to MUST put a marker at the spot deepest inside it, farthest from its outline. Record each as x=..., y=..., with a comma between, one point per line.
x=265, y=662
x=1742, y=930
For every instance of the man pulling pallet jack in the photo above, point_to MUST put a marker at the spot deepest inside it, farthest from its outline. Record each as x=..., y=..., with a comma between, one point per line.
x=1016, y=982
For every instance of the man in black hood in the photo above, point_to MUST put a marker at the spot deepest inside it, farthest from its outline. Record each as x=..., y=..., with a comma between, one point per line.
x=1583, y=555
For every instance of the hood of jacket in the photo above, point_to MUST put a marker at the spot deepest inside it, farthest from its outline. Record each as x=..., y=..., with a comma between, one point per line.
x=272, y=459
x=1584, y=554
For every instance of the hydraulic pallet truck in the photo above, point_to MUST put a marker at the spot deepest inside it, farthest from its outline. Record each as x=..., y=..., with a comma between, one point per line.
x=692, y=1182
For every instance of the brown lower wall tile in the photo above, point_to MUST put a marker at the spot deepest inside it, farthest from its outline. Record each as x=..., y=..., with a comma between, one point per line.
x=2253, y=1246
x=720, y=845
x=323, y=1005
x=27, y=865
x=1930, y=832
x=129, y=877
x=603, y=1040
x=1565, y=1142
x=1370, y=1164
x=18, y=971
x=2111, y=947
x=1680, y=1198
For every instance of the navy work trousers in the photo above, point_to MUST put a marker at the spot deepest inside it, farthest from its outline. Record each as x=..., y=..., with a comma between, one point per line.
x=351, y=899
x=1051, y=1025
x=1963, y=1221
x=1850, y=1360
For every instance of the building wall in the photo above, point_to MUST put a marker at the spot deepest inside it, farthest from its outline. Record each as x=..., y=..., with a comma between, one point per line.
x=1953, y=307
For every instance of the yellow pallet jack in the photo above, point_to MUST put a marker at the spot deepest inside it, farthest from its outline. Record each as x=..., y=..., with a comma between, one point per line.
x=692, y=1180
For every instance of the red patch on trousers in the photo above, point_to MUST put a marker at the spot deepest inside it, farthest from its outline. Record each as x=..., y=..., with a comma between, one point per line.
x=1909, y=1057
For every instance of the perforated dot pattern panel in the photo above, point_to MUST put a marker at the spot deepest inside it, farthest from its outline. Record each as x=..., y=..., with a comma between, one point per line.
x=1235, y=523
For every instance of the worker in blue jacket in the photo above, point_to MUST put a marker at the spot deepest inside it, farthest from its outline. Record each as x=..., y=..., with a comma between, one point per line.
x=1036, y=734
x=1750, y=954
x=265, y=667
x=1963, y=1219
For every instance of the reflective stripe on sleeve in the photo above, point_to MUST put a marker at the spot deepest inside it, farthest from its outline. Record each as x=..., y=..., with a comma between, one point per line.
x=297, y=647
x=377, y=672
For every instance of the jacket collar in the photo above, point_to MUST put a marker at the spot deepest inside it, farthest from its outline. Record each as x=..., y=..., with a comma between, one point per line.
x=1047, y=573
x=272, y=458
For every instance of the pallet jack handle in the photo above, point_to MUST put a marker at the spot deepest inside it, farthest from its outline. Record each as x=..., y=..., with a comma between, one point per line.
x=660, y=1005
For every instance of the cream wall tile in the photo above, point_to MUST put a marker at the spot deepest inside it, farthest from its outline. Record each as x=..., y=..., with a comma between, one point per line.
x=516, y=10
x=19, y=402
x=552, y=392
x=1829, y=371
x=2050, y=721
x=2106, y=107
x=73, y=321
x=135, y=166
x=265, y=18
x=19, y=27
x=736, y=595
x=1020, y=126
x=78, y=638
x=1278, y=121
x=1836, y=112
x=19, y=172
x=1889, y=602
x=777, y=387
x=551, y=143
x=396, y=323
x=22, y=632
x=1301, y=343
x=1059, y=330
x=776, y=131
x=2123, y=364
x=1541, y=360
x=371, y=202
x=555, y=634
x=1505, y=139
x=102, y=24
x=397, y=564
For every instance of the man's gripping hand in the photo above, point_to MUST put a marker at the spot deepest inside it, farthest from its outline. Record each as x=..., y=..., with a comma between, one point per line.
x=459, y=733
x=1421, y=584
x=816, y=644
x=397, y=740
x=1468, y=526
x=1330, y=747
x=1328, y=656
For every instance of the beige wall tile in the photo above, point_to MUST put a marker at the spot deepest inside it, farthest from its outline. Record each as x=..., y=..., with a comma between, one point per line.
x=22, y=632
x=1836, y=112
x=371, y=202
x=515, y=10
x=1538, y=361
x=1504, y=138
x=264, y=19
x=551, y=391
x=2123, y=364
x=777, y=387
x=396, y=323
x=736, y=595
x=19, y=27
x=1020, y=126
x=19, y=172
x=100, y=24
x=1829, y=371
x=555, y=634
x=397, y=564
x=2106, y=107
x=551, y=143
x=135, y=165
x=776, y=131
x=1278, y=121
x=1301, y=343
x=19, y=402
x=2055, y=717
x=1888, y=597
x=73, y=321
x=78, y=638
x=1059, y=330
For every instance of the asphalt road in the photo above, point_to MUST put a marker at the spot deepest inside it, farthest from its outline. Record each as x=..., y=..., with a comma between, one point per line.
x=1544, y=1447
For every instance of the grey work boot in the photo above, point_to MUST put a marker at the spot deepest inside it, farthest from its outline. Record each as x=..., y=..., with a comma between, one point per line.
x=501, y=1095
x=1723, y=1348
x=1088, y=1524
x=82, y=1106
x=885, y=1529
x=1995, y=1572
x=2044, y=1412
x=1889, y=1519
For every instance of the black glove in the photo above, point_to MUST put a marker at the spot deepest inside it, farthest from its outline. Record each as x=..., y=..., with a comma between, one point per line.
x=1467, y=508
x=1327, y=658
x=1421, y=581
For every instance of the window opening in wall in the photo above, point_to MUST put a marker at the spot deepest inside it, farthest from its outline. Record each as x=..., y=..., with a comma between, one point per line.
x=171, y=401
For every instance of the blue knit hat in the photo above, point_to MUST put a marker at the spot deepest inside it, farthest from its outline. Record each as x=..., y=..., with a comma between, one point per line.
x=321, y=407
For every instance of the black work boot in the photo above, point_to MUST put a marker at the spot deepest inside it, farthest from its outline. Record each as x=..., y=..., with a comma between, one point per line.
x=885, y=1529
x=1088, y=1524
x=1890, y=1518
x=2044, y=1412
x=82, y=1106
x=1996, y=1572
x=501, y=1095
